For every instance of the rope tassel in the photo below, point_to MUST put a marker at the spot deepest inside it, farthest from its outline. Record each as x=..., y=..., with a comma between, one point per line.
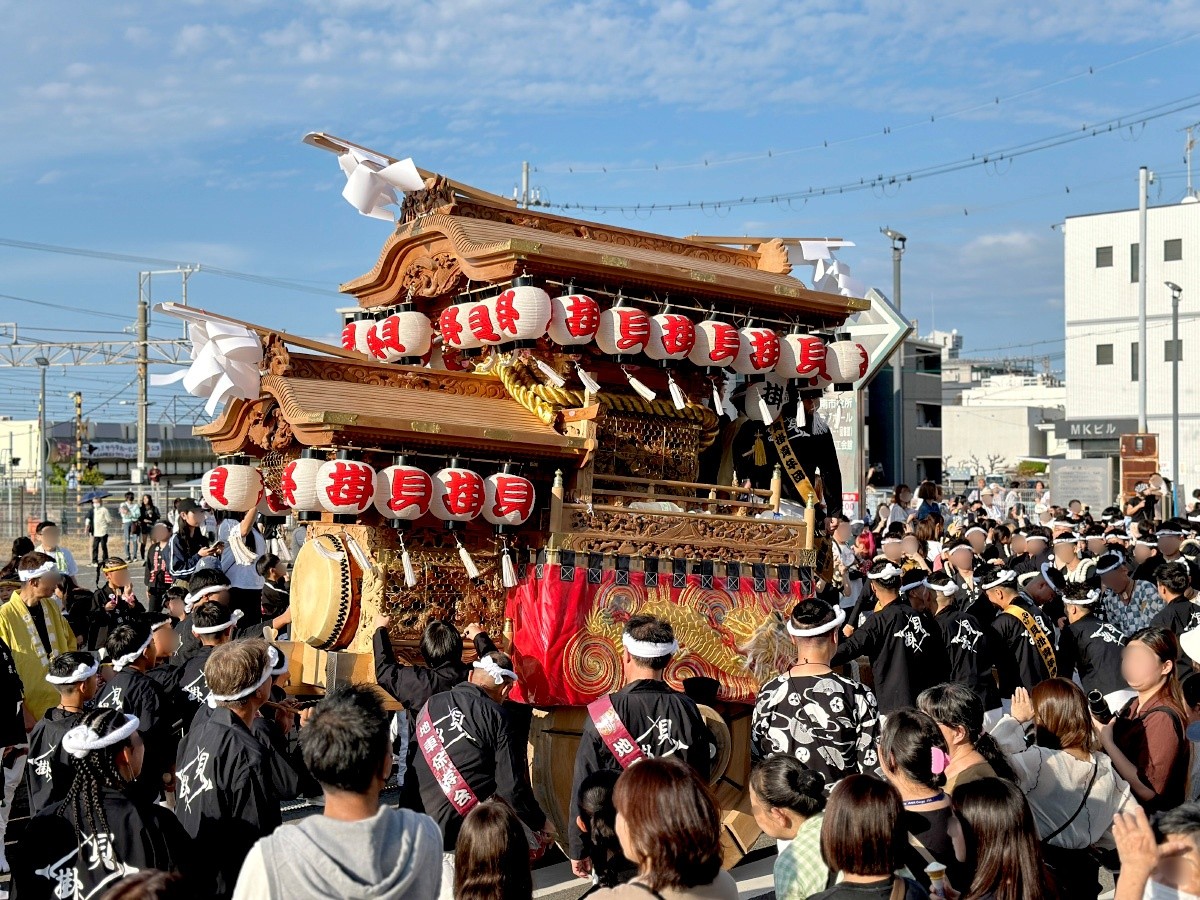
x=717, y=405
x=410, y=575
x=587, y=380
x=508, y=572
x=642, y=391
x=677, y=395
x=356, y=551
x=465, y=557
x=553, y=377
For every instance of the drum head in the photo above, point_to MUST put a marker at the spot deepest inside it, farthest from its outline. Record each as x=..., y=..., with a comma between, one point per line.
x=720, y=733
x=325, y=594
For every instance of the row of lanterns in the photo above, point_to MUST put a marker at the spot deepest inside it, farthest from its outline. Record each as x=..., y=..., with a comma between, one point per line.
x=522, y=314
x=349, y=487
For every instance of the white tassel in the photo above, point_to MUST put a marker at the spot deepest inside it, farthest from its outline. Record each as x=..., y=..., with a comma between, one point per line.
x=332, y=555
x=677, y=395
x=553, y=377
x=717, y=404
x=410, y=574
x=642, y=391
x=768, y=414
x=242, y=555
x=508, y=573
x=468, y=563
x=360, y=555
x=587, y=380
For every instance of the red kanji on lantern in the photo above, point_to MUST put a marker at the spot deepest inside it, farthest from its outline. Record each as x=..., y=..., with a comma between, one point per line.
x=507, y=314
x=678, y=333
x=449, y=325
x=350, y=484
x=512, y=501
x=812, y=357
x=410, y=488
x=217, y=479
x=582, y=315
x=766, y=348
x=287, y=484
x=725, y=342
x=348, y=335
x=389, y=335
x=479, y=320
x=375, y=343
x=461, y=494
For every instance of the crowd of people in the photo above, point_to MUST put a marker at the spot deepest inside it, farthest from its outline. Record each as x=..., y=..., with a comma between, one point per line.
x=980, y=706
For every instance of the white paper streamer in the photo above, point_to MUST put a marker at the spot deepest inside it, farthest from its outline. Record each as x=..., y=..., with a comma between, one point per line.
x=371, y=182
x=225, y=364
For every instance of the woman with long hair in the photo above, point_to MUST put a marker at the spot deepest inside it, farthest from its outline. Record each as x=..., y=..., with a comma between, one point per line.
x=20, y=546
x=598, y=825
x=99, y=832
x=901, y=505
x=669, y=826
x=999, y=843
x=1147, y=740
x=913, y=756
x=959, y=714
x=788, y=801
x=1073, y=791
x=863, y=839
x=189, y=549
x=148, y=516
x=491, y=858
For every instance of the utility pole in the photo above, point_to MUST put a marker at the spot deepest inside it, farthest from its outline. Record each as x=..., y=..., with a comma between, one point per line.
x=1145, y=176
x=1188, y=147
x=1176, y=292
x=43, y=364
x=145, y=280
x=899, y=243
x=78, y=398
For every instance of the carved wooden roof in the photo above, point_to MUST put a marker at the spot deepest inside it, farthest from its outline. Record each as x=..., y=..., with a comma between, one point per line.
x=435, y=254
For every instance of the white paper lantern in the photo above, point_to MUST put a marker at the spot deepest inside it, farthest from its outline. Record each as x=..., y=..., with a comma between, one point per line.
x=623, y=331
x=403, y=335
x=717, y=345
x=800, y=356
x=345, y=487
x=458, y=494
x=455, y=331
x=481, y=321
x=232, y=488
x=354, y=336
x=846, y=362
x=758, y=353
x=298, y=484
x=574, y=319
x=403, y=492
x=522, y=313
x=272, y=504
x=672, y=337
x=508, y=499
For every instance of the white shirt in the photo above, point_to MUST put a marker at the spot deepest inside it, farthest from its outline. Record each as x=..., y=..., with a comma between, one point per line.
x=101, y=522
x=63, y=559
x=241, y=577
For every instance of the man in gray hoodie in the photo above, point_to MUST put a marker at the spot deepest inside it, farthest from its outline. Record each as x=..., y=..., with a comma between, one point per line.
x=357, y=848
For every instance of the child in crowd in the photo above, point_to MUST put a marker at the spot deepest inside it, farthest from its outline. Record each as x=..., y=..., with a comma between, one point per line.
x=158, y=569
x=114, y=603
x=49, y=770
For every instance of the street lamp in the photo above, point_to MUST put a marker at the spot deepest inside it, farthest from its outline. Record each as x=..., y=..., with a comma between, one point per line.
x=42, y=364
x=1176, y=293
x=899, y=242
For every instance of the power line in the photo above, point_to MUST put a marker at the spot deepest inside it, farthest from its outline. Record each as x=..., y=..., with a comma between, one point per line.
x=895, y=181
x=924, y=121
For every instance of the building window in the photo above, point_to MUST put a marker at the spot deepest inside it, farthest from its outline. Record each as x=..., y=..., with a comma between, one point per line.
x=1104, y=257
x=1133, y=361
x=1173, y=250
x=929, y=363
x=1173, y=351
x=1104, y=354
x=1133, y=263
x=929, y=415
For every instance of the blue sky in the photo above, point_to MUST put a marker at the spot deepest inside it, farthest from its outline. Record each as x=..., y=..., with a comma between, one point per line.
x=172, y=130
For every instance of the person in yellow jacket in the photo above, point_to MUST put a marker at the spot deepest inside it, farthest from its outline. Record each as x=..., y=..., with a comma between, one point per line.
x=34, y=629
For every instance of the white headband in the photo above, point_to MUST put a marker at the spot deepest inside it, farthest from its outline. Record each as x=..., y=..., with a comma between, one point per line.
x=215, y=699
x=949, y=589
x=891, y=540
x=122, y=661
x=905, y=588
x=81, y=674
x=1035, y=537
x=839, y=616
x=1116, y=565
x=888, y=571
x=1147, y=542
x=974, y=528
x=648, y=649
x=44, y=569
x=158, y=625
x=492, y=668
x=279, y=662
x=234, y=618
x=1067, y=538
x=191, y=599
x=81, y=740
x=966, y=547
x=1087, y=599
x=1169, y=532
x=1116, y=536
x=1004, y=576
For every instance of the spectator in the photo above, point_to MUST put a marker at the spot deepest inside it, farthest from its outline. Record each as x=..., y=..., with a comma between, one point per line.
x=189, y=550
x=959, y=715
x=358, y=846
x=99, y=525
x=20, y=546
x=901, y=501
x=1129, y=605
x=788, y=801
x=913, y=756
x=129, y=512
x=598, y=825
x=1147, y=740
x=34, y=629
x=670, y=827
x=48, y=534
x=863, y=839
x=491, y=861
x=1167, y=870
x=1000, y=843
x=1073, y=790
x=245, y=584
x=148, y=516
x=1179, y=615
x=158, y=575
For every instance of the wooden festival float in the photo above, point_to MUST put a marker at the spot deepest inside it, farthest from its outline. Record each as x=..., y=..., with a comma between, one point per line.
x=523, y=427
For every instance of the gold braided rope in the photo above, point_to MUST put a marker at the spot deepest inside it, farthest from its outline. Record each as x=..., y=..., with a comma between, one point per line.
x=545, y=401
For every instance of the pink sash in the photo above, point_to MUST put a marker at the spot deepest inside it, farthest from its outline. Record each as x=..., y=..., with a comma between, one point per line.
x=612, y=731
x=449, y=779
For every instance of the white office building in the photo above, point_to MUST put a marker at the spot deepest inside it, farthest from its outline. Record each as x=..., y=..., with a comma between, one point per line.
x=1101, y=310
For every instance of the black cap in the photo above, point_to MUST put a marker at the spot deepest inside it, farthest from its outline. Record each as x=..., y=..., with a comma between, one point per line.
x=187, y=504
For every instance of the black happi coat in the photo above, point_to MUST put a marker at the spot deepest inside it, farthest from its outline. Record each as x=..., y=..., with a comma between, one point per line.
x=101, y=620
x=1179, y=615
x=906, y=652
x=814, y=451
x=970, y=599
x=53, y=862
x=1017, y=660
x=475, y=734
x=48, y=771
x=414, y=685
x=664, y=722
x=1093, y=648
x=224, y=795
x=193, y=688
x=12, y=692
x=969, y=654
x=137, y=694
